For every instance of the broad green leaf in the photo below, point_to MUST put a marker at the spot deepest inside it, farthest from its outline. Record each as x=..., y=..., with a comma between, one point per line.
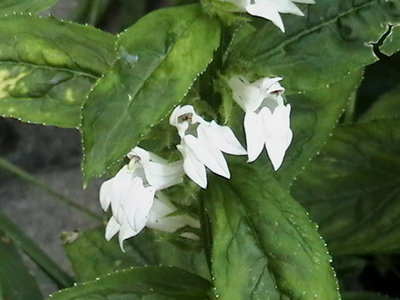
x=153, y=283
x=387, y=106
x=332, y=40
x=160, y=58
x=35, y=253
x=352, y=189
x=365, y=296
x=16, y=283
x=48, y=66
x=19, y=6
x=265, y=247
x=92, y=256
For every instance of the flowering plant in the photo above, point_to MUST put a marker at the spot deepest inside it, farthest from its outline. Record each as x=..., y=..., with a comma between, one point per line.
x=175, y=113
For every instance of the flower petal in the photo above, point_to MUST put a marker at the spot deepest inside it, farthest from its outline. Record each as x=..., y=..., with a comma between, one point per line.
x=255, y=136
x=137, y=204
x=285, y=6
x=162, y=176
x=159, y=218
x=267, y=11
x=112, y=228
x=208, y=154
x=221, y=137
x=125, y=232
x=278, y=134
x=246, y=95
x=193, y=167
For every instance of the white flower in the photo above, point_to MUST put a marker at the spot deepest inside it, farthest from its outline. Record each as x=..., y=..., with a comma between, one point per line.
x=133, y=196
x=202, y=144
x=267, y=118
x=270, y=9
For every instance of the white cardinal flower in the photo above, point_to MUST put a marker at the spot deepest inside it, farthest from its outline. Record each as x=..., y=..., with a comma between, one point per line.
x=202, y=144
x=132, y=195
x=270, y=9
x=267, y=118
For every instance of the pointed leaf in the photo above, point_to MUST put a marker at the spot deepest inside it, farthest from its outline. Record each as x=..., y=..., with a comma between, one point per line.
x=47, y=67
x=265, y=247
x=16, y=282
x=156, y=68
x=314, y=116
x=352, y=188
x=298, y=55
x=161, y=283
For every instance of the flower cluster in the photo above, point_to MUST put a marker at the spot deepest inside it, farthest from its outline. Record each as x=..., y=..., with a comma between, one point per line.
x=134, y=194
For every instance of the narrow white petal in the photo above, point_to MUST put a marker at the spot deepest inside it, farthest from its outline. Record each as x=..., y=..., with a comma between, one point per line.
x=125, y=232
x=221, y=137
x=255, y=136
x=246, y=95
x=264, y=10
x=162, y=176
x=278, y=134
x=105, y=194
x=139, y=201
x=285, y=6
x=193, y=167
x=159, y=219
x=208, y=154
x=112, y=228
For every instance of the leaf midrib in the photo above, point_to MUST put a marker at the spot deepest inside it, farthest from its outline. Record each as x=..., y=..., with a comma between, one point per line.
x=52, y=68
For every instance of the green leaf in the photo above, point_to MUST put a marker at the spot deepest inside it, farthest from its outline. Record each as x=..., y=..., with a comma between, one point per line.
x=156, y=68
x=332, y=40
x=35, y=253
x=314, y=115
x=365, y=296
x=19, y=6
x=159, y=283
x=352, y=189
x=16, y=283
x=48, y=66
x=265, y=247
x=92, y=256
x=387, y=106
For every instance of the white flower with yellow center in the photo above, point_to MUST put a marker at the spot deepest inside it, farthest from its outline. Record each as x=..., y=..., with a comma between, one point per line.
x=202, y=144
x=134, y=198
x=267, y=118
x=270, y=9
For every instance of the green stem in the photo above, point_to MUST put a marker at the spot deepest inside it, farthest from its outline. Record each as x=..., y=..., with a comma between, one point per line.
x=33, y=181
x=27, y=245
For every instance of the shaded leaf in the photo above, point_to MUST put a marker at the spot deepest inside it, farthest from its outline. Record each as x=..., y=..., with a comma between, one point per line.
x=265, y=247
x=347, y=28
x=18, y=6
x=156, y=68
x=387, y=106
x=159, y=283
x=48, y=66
x=92, y=256
x=16, y=283
x=352, y=189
